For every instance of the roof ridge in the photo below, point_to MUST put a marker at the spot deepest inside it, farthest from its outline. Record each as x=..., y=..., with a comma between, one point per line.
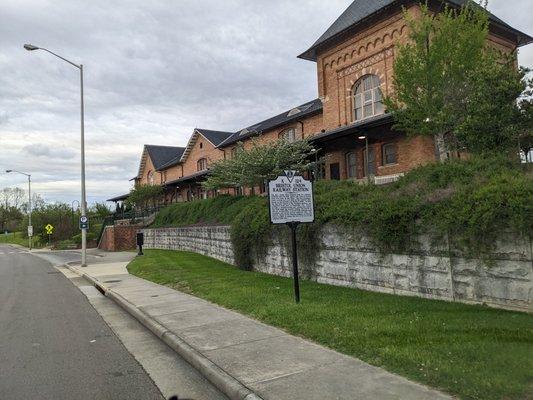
x=162, y=145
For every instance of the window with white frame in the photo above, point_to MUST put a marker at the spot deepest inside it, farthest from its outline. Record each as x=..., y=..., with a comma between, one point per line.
x=289, y=135
x=367, y=97
x=202, y=164
x=351, y=165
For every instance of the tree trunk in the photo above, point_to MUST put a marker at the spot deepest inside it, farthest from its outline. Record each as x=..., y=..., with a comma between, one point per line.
x=442, y=149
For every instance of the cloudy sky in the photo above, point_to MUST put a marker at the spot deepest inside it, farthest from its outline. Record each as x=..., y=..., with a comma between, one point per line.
x=154, y=70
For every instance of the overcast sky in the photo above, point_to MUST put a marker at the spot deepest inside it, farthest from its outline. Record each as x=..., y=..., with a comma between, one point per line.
x=154, y=70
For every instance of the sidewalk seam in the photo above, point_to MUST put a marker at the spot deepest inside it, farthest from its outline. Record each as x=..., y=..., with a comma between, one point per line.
x=226, y=383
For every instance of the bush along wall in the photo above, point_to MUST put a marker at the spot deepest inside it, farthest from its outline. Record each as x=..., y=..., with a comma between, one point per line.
x=468, y=201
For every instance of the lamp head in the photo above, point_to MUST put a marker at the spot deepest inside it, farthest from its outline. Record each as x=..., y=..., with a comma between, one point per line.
x=8, y=171
x=30, y=47
x=362, y=137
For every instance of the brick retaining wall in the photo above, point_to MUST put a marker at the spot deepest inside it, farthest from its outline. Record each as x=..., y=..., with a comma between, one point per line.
x=118, y=238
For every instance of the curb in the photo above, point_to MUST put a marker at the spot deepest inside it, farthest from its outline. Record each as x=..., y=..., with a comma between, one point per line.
x=226, y=383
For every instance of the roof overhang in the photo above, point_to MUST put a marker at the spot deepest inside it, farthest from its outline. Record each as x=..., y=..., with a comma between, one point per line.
x=190, y=144
x=356, y=127
x=119, y=198
x=197, y=177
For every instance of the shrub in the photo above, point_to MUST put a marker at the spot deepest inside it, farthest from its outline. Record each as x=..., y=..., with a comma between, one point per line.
x=470, y=201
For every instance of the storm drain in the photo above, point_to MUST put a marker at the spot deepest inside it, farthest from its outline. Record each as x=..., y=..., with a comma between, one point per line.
x=113, y=281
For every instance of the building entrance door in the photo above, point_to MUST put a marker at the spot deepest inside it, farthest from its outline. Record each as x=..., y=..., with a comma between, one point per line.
x=334, y=172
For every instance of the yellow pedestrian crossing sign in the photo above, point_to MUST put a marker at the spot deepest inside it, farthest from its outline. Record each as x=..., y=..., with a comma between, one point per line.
x=49, y=229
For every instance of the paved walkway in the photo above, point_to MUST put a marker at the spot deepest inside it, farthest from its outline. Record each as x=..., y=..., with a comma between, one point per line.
x=270, y=362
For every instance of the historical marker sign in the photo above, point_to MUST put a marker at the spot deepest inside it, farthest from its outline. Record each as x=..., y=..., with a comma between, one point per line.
x=291, y=199
x=291, y=203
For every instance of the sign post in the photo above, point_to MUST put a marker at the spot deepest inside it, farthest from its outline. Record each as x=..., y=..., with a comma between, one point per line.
x=291, y=202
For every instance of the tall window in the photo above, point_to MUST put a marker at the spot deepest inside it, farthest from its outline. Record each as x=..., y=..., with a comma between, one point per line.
x=351, y=165
x=202, y=164
x=288, y=135
x=389, y=154
x=150, y=177
x=367, y=97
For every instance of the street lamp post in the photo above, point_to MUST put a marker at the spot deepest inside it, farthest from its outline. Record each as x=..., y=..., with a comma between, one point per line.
x=31, y=47
x=30, y=230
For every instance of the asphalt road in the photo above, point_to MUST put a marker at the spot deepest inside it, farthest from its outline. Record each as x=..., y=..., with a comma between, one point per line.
x=53, y=344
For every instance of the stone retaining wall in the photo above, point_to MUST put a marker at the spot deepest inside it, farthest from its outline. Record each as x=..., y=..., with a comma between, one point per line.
x=345, y=258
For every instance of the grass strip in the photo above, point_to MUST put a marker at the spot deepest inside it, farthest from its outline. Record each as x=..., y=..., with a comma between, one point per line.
x=474, y=352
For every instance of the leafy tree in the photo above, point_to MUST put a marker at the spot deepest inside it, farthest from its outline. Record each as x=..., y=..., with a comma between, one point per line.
x=59, y=215
x=143, y=196
x=525, y=124
x=100, y=210
x=252, y=167
x=449, y=83
x=11, y=208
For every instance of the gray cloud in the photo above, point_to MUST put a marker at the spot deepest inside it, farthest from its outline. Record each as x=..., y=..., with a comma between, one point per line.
x=154, y=71
x=53, y=154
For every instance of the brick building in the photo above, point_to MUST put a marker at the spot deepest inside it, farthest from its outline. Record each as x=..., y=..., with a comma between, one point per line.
x=354, y=59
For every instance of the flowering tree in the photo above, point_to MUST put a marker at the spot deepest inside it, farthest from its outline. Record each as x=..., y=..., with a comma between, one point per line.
x=262, y=162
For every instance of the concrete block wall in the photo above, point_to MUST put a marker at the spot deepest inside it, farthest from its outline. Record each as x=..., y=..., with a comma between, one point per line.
x=212, y=241
x=346, y=258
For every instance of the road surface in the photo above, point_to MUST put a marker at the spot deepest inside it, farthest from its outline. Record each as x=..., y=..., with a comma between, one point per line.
x=55, y=345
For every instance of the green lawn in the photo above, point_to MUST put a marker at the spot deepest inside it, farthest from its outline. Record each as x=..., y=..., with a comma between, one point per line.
x=17, y=238
x=471, y=351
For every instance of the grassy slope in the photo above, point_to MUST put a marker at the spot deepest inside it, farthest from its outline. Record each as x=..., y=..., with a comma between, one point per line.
x=472, y=351
x=470, y=200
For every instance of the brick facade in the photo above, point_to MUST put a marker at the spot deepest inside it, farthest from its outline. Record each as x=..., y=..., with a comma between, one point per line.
x=369, y=50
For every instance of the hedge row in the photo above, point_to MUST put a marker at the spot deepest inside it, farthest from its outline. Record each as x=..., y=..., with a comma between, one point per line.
x=472, y=201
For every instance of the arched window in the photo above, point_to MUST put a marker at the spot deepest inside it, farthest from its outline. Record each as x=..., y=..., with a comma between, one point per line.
x=289, y=135
x=150, y=177
x=202, y=164
x=367, y=98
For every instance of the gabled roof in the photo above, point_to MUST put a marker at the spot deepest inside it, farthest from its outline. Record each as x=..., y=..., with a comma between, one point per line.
x=160, y=155
x=294, y=114
x=215, y=137
x=360, y=10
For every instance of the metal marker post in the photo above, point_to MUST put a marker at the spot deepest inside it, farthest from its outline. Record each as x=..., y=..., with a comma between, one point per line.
x=296, y=280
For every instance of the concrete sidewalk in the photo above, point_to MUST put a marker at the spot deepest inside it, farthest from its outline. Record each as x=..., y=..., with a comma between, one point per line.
x=243, y=357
